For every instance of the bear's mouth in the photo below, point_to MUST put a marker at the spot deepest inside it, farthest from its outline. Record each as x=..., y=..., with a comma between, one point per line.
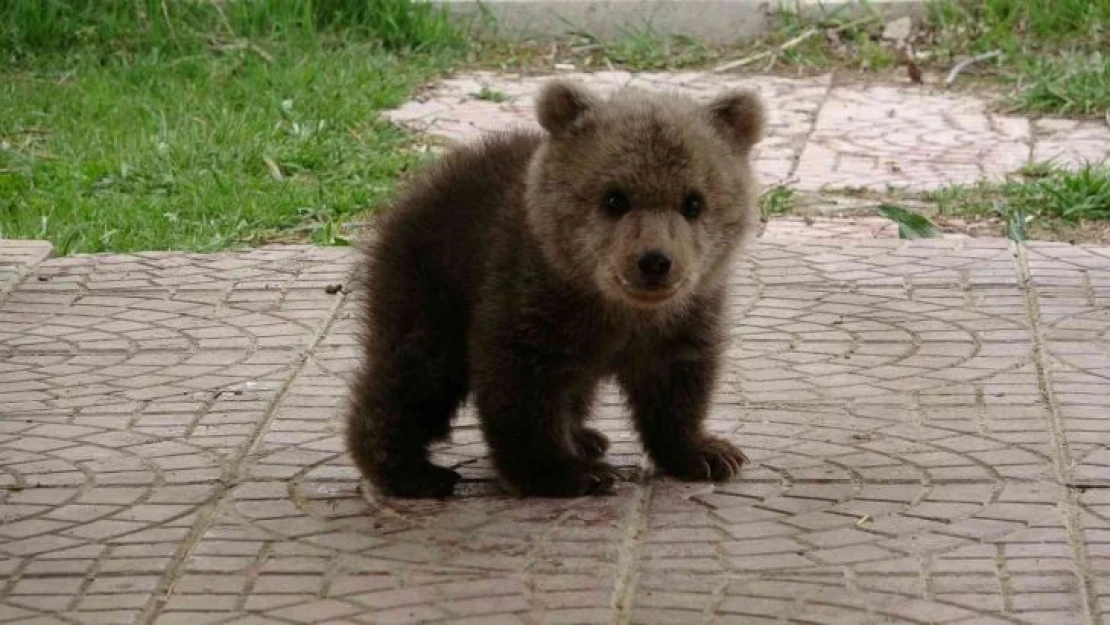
x=647, y=296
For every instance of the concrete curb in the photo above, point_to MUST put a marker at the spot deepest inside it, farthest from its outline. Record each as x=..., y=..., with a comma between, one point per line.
x=712, y=21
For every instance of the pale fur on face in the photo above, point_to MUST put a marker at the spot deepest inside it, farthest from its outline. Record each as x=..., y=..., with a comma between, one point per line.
x=656, y=150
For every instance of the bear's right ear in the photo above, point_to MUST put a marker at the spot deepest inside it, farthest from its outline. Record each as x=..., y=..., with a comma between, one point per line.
x=562, y=103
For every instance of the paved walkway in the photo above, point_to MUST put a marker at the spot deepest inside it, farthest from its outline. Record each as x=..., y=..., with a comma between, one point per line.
x=820, y=135
x=927, y=423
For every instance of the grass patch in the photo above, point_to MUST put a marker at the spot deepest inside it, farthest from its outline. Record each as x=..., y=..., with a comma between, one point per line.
x=1072, y=84
x=30, y=27
x=1051, y=52
x=776, y=202
x=644, y=48
x=127, y=127
x=1052, y=49
x=491, y=95
x=1049, y=198
x=833, y=39
x=639, y=47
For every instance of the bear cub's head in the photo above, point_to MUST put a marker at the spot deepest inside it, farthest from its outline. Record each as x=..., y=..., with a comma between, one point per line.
x=644, y=196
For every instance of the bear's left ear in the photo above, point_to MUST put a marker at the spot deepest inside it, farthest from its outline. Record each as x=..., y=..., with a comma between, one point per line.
x=561, y=103
x=740, y=116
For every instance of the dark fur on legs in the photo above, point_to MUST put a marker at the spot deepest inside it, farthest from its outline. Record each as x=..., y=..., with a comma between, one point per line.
x=418, y=384
x=669, y=395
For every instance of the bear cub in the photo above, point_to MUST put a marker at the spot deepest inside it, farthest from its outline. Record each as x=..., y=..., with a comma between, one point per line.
x=525, y=269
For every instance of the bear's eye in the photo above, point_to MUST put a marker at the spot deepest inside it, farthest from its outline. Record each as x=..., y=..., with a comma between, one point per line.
x=614, y=203
x=692, y=206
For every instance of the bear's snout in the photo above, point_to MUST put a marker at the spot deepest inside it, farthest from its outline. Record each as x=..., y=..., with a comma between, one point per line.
x=654, y=266
x=650, y=276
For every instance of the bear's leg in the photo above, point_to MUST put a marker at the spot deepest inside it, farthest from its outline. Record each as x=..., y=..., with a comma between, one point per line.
x=588, y=442
x=529, y=418
x=669, y=397
x=412, y=386
x=401, y=404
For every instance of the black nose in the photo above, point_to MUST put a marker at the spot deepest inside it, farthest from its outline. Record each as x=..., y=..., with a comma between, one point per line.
x=654, y=265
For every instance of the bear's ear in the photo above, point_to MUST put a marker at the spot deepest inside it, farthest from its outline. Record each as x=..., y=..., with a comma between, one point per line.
x=561, y=103
x=740, y=116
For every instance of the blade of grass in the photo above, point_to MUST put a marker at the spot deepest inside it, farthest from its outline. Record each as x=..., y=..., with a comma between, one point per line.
x=910, y=225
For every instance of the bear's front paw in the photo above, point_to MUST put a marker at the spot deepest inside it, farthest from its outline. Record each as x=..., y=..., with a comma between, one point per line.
x=709, y=458
x=590, y=444
x=573, y=479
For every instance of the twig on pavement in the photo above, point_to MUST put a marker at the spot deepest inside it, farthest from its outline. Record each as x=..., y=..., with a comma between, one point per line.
x=766, y=53
x=809, y=32
x=964, y=64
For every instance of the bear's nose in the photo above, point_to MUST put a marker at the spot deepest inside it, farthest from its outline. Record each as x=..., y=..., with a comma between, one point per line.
x=654, y=265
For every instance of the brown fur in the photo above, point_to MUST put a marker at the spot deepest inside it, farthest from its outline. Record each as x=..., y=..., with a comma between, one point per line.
x=526, y=268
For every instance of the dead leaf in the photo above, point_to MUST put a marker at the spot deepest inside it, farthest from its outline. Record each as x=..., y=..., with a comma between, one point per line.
x=906, y=52
x=914, y=72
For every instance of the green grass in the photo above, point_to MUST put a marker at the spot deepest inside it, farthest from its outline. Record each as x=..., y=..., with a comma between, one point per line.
x=1054, y=50
x=636, y=47
x=211, y=125
x=644, y=48
x=1072, y=84
x=491, y=95
x=825, y=41
x=776, y=201
x=51, y=26
x=1044, y=193
x=1053, y=54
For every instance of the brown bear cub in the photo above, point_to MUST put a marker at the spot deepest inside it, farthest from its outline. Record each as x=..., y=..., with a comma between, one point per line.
x=529, y=267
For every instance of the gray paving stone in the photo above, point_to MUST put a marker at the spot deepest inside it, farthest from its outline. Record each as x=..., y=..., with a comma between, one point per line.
x=951, y=264
x=1071, y=288
x=925, y=420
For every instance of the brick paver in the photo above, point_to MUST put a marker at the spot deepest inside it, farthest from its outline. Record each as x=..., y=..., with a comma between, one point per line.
x=15, y=258
x=926, y=420
x=821, y=135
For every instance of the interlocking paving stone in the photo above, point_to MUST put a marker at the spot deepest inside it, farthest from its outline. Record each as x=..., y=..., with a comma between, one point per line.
x=452, y=110
x=1072, y=291
x=820, y=135
x=319, y=550
x=836, y=228
x=926, y=423
x=131, y=385
x=17, y=258
x=1070, y=142
x=881, y=136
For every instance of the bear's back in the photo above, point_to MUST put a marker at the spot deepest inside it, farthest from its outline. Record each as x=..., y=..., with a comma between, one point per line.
x=458, y=210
